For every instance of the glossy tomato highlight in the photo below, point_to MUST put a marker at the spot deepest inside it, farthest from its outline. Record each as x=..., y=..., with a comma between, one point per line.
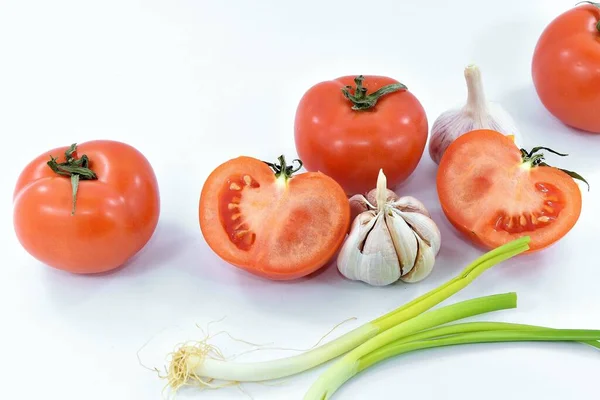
x=88, y=208
x=493, y=192
x=566, y=67
x=351, y=127
x=262, y=218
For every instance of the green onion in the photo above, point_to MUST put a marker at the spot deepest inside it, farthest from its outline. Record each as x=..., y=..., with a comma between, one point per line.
x=200, y=363
x=469, y=333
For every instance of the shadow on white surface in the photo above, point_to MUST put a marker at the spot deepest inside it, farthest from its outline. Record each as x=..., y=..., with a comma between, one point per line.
x=414, y=186
x=168, y=241
x=71, y=289
x=540, y=128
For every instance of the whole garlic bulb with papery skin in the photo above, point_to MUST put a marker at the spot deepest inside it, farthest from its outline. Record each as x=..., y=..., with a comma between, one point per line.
x=477, y=113
x=391, y=238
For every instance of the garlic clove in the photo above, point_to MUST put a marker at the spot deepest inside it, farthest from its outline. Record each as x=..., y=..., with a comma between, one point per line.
x=381, y=195
x=424, y=227
x=410, y=204
x=390, y=196
x=423, y=265
x=404, y=240
x=368, y=254
x=350, y=257
x=358, y=205
x=380, y=264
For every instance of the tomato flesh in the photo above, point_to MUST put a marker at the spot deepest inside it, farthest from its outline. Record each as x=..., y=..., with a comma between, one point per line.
x=491, y=196
x=529, y=221
x=272, y=227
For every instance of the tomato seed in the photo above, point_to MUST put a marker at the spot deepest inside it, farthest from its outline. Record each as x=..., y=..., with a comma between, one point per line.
x=541, y=187
x=534, y=219
x=249, y=239
x=231, y=216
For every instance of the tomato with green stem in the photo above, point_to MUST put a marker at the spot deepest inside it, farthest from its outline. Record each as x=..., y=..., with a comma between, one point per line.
x=351, y=127
x=566, y=67
x=493, y=192
x=266, y=219
x=86, y=208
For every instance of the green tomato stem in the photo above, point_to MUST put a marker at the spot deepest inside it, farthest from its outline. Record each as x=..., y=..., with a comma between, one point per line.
x=361, y=100
x=282, y=170
x=77, y=168
x=534, y=158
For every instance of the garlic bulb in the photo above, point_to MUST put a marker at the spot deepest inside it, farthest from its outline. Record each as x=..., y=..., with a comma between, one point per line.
x=477, y=113
x=392, y=238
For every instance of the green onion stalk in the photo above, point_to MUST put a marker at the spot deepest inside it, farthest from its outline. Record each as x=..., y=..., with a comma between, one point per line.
x=200, y=364
x=394, y=343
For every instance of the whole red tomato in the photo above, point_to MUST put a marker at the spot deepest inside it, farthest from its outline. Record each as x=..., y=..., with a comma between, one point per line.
x=566, y=67
x=88, y=208
x=351, y=127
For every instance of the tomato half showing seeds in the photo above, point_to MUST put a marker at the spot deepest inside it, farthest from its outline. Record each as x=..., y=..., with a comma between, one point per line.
x=493, y=192
x=566, y=67
x=261, y=218
x=351, y=127
x=87, y=208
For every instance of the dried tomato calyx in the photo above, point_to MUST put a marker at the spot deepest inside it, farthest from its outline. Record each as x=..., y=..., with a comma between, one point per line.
x=534, y=158
x=77, y=168
x=363, y=101
x=281, y=169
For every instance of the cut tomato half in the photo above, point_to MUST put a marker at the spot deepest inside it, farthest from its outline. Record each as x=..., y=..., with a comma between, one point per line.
x=493, y=192
x=263, y=219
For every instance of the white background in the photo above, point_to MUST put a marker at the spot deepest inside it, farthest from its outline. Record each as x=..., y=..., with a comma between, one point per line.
x=194, y=83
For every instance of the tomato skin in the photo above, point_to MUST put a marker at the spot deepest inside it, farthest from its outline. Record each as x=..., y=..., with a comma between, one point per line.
x=481, y=181
x=115, y=215
x=352, y=146
x=292, y=229
x=566, y=68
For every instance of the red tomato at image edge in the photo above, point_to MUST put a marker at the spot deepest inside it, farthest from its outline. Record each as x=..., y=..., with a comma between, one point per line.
x=351, y=146
x=115, y=214
x=566, y=68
